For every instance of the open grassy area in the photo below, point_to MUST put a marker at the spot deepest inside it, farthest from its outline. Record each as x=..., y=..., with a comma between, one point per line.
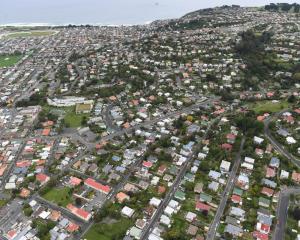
x=60, y=196
x=102, y=231
x=30, y=34
x=3, y=203
x=9, y=60
x=268, y=106
x=72, y=119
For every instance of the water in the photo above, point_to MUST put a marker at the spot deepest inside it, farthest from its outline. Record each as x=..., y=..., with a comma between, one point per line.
x=103, y=12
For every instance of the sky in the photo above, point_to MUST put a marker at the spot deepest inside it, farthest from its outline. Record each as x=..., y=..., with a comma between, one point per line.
x=106, y=11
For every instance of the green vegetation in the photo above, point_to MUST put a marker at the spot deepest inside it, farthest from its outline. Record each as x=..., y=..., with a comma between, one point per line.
x=60, y=196
x=283, y=7
x=43, y=228
x=74, y=120
x=30, y=34
x=2, y=203
x=268, y=106
x=106, y=231
x=9, y=60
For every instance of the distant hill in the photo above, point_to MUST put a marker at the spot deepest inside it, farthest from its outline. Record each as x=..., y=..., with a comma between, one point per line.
x=283, y=7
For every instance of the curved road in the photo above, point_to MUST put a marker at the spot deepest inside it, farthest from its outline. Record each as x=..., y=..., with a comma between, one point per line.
x=283, y=202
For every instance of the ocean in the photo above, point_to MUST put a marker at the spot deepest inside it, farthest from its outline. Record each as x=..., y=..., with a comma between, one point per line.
x=103, y=12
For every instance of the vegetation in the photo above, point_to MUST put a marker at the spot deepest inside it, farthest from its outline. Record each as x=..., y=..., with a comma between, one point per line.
x=268, y=106
x=74, y=120
x=60, y=196
x=106, y=231
x=9, y=60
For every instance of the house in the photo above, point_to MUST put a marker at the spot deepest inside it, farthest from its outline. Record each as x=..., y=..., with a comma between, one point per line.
x=274, y=163
x=260, y=236
x=202, y=207
x=214, y=175
x=236, y=199
x=198, y=187
x=225, y=166
x=238, y=213
x=192, y=230
x=226, y=146
x=284, y=174
x=296, y=177
x=264, y=202
x=267, y=191
x=179, y=195
x=155, y=202
x=258, y=140
x=127, y=211
x=79, y=212
x=121, y=197
x=205, y=198
x=135, y=232
x=97, y=186
x=233, y=230
x=214, y=186
x=191, y=217
x=42, y=178
x=270, y=172
x=291, y=140
x=165, y=220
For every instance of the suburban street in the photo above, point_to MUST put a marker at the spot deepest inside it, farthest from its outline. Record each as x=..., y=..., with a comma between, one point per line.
x=282, y=212
x=229, y=186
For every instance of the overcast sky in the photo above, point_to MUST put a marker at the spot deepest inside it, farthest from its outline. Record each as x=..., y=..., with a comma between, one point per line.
x=106, y=11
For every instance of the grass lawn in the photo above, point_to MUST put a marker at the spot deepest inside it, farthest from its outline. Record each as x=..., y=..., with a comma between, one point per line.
x=102, y=231
x=30, y=34
x=72, y=119
x=9, y=60
x=2, y=203
x=60, y=196
x=268, y=106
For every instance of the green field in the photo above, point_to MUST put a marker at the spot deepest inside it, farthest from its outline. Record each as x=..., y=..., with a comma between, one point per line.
x=72, y=119
x=102, y=231
x=268, y=106
x=9, y=60
x=30, y=34
x=60, y=196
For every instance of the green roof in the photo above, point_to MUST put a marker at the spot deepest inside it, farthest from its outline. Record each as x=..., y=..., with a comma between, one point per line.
x=179, y=195
x=238, y=191
x=205, y=197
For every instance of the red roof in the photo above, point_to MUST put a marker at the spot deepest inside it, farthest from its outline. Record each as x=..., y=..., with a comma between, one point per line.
x=79, y=212
x=46, y=132
x=24, y=163
x=226, y=146
x=97, y=186
x=75, y=181
x=72, y=227
x=42, y=177
x=236, y=198
x=267, y=191
x=202, y=206
x=270, y=172
x=260, y=236
x=147, y=164
x=230, y=136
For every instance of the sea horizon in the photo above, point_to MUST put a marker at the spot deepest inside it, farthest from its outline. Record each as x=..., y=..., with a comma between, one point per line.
x=31, y=13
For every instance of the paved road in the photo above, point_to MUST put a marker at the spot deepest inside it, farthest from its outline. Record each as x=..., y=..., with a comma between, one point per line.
x=154, y=220
x=276, y=144
x=282, y=211
x=283, y=203
x=229, y=186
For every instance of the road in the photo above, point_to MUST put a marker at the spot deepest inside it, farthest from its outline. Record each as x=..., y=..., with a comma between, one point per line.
x=283, y=202
x=276, y=144
x=170, y=194
x=282, y=212
x=229, y=186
